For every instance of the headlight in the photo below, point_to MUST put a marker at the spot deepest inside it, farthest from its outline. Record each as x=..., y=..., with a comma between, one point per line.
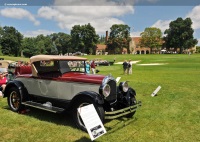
x=106, y=90
x=123, y=86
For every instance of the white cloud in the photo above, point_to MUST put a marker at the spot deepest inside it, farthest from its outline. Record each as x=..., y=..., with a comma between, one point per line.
x=162, y=24
x=36, y=33
x=94, y=2
x=195, y=16
x=100, y=17
x=19, y=13
x=104, y=24
x=135, y=34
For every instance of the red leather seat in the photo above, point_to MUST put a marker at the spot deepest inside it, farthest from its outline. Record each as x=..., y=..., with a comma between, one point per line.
x=23, y=70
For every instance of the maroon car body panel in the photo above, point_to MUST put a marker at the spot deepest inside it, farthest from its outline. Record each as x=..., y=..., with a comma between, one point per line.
x=82, y=77
x=73, y=77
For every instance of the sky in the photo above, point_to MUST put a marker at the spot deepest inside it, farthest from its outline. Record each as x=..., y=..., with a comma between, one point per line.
x=34, y=17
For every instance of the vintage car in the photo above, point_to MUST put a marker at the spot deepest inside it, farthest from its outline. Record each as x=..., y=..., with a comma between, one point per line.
x=5, y=69
x=4, y=65
x=100, y=62
x=60, y=83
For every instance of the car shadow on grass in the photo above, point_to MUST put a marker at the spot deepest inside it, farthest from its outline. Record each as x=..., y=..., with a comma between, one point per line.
x=83, y=139
x=58, y=118
x=64, y=118
x=118, y=124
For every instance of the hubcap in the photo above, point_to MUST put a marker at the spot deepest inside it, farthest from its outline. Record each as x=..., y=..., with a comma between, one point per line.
x=14, y=100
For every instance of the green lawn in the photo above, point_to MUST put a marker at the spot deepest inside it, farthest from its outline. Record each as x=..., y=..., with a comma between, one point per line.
x=171, y=116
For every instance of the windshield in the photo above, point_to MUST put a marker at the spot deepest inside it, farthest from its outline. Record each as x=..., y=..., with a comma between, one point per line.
x=71, y=66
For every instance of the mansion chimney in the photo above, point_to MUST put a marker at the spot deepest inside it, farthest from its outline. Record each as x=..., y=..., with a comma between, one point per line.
x=106, y=36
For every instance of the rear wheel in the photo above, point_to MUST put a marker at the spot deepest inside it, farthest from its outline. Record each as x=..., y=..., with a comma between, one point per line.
x=83, y=102
x=15, y=100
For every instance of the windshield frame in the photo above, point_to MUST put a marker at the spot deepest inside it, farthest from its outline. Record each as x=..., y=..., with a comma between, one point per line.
x=72, y=66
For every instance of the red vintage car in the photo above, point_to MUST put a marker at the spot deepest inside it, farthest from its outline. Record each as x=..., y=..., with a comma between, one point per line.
x=60, y=83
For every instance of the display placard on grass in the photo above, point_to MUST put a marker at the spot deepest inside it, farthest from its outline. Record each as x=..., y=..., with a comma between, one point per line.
x=92, y=121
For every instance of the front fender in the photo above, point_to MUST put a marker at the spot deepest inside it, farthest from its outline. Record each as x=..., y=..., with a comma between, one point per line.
x=131, y=91
x=15, y=83
x=93, y=95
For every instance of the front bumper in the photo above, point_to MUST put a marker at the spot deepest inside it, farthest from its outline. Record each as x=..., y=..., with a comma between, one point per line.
x=122, y=112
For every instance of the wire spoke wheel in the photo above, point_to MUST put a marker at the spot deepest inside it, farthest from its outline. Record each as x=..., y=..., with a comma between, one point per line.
x=14, y=100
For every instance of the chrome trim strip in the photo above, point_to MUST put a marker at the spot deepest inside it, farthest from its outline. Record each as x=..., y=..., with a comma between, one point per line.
x=39, y=106
x=107, y=78
x=122, y=112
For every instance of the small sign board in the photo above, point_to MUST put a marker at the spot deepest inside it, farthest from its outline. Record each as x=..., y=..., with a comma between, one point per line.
x=92, y=121
x=156, y=91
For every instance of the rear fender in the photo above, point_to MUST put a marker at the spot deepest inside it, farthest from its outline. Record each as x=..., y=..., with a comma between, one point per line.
x=19, y=85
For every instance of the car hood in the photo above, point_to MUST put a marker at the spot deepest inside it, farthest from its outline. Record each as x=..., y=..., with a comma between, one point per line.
x=82, y=77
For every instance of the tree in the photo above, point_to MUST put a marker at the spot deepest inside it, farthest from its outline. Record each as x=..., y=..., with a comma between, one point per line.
x=102, y=40
x=84, y=38
x=151, y=37
x=62, y=42
x=28, y=46
x=38, y=45
x=10, y=41
x=198, y=49
x=77, y=43
x=50, y=47
x=1, y=30
x=180, y=34
x=119, y=38
x=44, y=44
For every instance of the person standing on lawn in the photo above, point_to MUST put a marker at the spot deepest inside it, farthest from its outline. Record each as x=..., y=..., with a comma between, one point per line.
x=125, y=66
x=87, y=67
x=129, y=67
x=93, y=66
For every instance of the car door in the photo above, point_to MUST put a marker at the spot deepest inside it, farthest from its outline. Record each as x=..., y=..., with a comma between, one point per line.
x=44, y=87
x=31, y=84
x=48, y=88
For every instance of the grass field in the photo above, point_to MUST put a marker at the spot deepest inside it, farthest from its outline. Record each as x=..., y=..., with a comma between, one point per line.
x=171, y=116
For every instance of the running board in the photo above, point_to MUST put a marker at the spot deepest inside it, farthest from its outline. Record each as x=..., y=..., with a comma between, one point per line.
x=43, y=107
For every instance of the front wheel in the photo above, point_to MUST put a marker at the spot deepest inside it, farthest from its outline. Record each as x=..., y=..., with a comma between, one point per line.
x=83, y=102
x=15, y=100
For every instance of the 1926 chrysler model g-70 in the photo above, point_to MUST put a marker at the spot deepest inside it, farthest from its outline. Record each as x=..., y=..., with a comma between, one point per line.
x=60, y=83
